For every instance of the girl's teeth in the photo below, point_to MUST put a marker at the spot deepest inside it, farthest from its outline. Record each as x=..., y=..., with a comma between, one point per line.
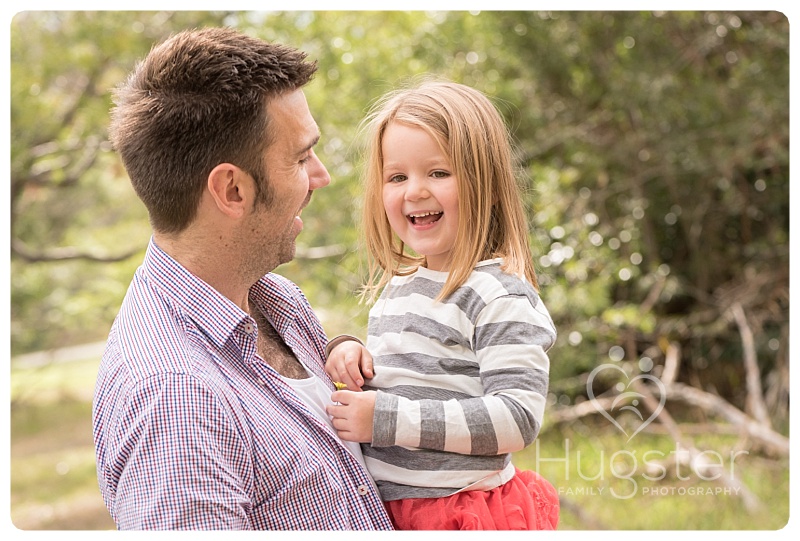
x=425, y=217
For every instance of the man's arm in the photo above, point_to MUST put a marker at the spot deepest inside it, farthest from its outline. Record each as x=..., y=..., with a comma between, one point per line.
x=182, y=463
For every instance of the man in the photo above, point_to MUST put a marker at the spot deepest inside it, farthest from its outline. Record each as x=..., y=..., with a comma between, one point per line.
x=210, y=398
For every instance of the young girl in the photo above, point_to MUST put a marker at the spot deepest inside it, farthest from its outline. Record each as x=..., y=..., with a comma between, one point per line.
x=459, y=334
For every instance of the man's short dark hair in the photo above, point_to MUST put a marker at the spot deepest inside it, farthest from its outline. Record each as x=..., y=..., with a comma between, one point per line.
x=197, y=100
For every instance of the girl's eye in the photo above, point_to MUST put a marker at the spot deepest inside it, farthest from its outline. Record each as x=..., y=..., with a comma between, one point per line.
x=440, y=174
x=397, y=178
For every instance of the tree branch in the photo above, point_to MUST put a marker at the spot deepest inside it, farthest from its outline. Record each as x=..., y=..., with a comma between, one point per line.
x=717, y=405
x=20, y=249
x=697, y=460
x=320, y=252
x=755, y=399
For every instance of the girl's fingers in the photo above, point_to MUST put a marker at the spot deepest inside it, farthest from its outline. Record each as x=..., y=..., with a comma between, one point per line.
x=366, y=365
x=352, y=373
x=340, y=397
x=356, y=381
x=346, y=382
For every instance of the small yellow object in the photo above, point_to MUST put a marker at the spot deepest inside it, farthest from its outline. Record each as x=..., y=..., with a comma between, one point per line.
x=339, y=385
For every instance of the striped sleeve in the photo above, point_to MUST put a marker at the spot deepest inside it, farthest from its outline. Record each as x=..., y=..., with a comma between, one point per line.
x=511, y=336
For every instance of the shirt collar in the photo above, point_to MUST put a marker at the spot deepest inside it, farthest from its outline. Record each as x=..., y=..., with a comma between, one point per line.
x=213, y=313
x=276, y=300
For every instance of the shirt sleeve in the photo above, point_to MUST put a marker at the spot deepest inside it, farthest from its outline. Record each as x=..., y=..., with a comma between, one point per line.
x=511, y=337
x=182, y=464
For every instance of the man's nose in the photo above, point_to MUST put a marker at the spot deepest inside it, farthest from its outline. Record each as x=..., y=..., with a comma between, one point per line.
x=318, y=176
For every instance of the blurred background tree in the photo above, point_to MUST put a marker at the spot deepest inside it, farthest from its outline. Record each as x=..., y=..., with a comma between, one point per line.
x=654, y=145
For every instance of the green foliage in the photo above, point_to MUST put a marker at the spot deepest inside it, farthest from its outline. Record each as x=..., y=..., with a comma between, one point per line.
x=653, y=147
x=654, y=152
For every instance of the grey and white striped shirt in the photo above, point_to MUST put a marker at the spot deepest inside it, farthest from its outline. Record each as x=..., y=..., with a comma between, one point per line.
x=461, y=383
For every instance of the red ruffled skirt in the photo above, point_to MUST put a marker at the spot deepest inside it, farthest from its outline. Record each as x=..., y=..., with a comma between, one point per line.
x=526, y=502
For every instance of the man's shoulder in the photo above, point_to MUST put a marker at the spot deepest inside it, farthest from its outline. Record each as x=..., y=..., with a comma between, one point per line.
x=149, y=335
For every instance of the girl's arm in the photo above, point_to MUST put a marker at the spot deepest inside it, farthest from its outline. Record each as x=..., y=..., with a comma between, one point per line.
x=511, y=338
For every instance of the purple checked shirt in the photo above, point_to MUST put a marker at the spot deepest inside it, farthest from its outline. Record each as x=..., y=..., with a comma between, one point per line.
x=193, y=430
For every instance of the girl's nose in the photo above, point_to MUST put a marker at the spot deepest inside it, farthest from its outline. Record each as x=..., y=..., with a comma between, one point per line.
x=416, y=189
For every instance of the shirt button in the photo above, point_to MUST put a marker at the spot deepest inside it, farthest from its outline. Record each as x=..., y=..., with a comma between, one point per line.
x=362, y=490
x=249, y=328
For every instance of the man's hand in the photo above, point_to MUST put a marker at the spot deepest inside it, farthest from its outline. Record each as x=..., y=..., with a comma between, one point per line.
x=350, y=363
x=352, y=414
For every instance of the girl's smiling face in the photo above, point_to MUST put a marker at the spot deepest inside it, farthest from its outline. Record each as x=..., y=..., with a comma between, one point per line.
x=420, y=193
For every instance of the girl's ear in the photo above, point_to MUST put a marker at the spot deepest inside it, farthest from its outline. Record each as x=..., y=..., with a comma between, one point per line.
x=231, y=189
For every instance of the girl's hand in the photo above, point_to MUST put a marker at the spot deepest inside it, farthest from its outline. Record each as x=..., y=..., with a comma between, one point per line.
x=349, y=363
x=352, y=415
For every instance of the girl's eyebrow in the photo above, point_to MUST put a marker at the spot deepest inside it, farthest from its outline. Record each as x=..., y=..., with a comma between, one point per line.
x=390, y=165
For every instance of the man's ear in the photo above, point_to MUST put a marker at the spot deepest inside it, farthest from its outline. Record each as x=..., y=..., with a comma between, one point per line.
x=231, y=189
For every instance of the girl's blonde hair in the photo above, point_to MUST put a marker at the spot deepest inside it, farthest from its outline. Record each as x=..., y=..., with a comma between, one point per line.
x=474, y=137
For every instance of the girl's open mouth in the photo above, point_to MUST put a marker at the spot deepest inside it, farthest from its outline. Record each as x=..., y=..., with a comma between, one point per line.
x=425, y=218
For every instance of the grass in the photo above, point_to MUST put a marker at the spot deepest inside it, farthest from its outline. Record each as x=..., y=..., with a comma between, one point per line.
x=604, y=481
x=601, y=477
x=53, y=479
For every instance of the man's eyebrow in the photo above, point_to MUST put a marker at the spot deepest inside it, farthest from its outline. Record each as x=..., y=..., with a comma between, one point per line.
x=309, y=146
